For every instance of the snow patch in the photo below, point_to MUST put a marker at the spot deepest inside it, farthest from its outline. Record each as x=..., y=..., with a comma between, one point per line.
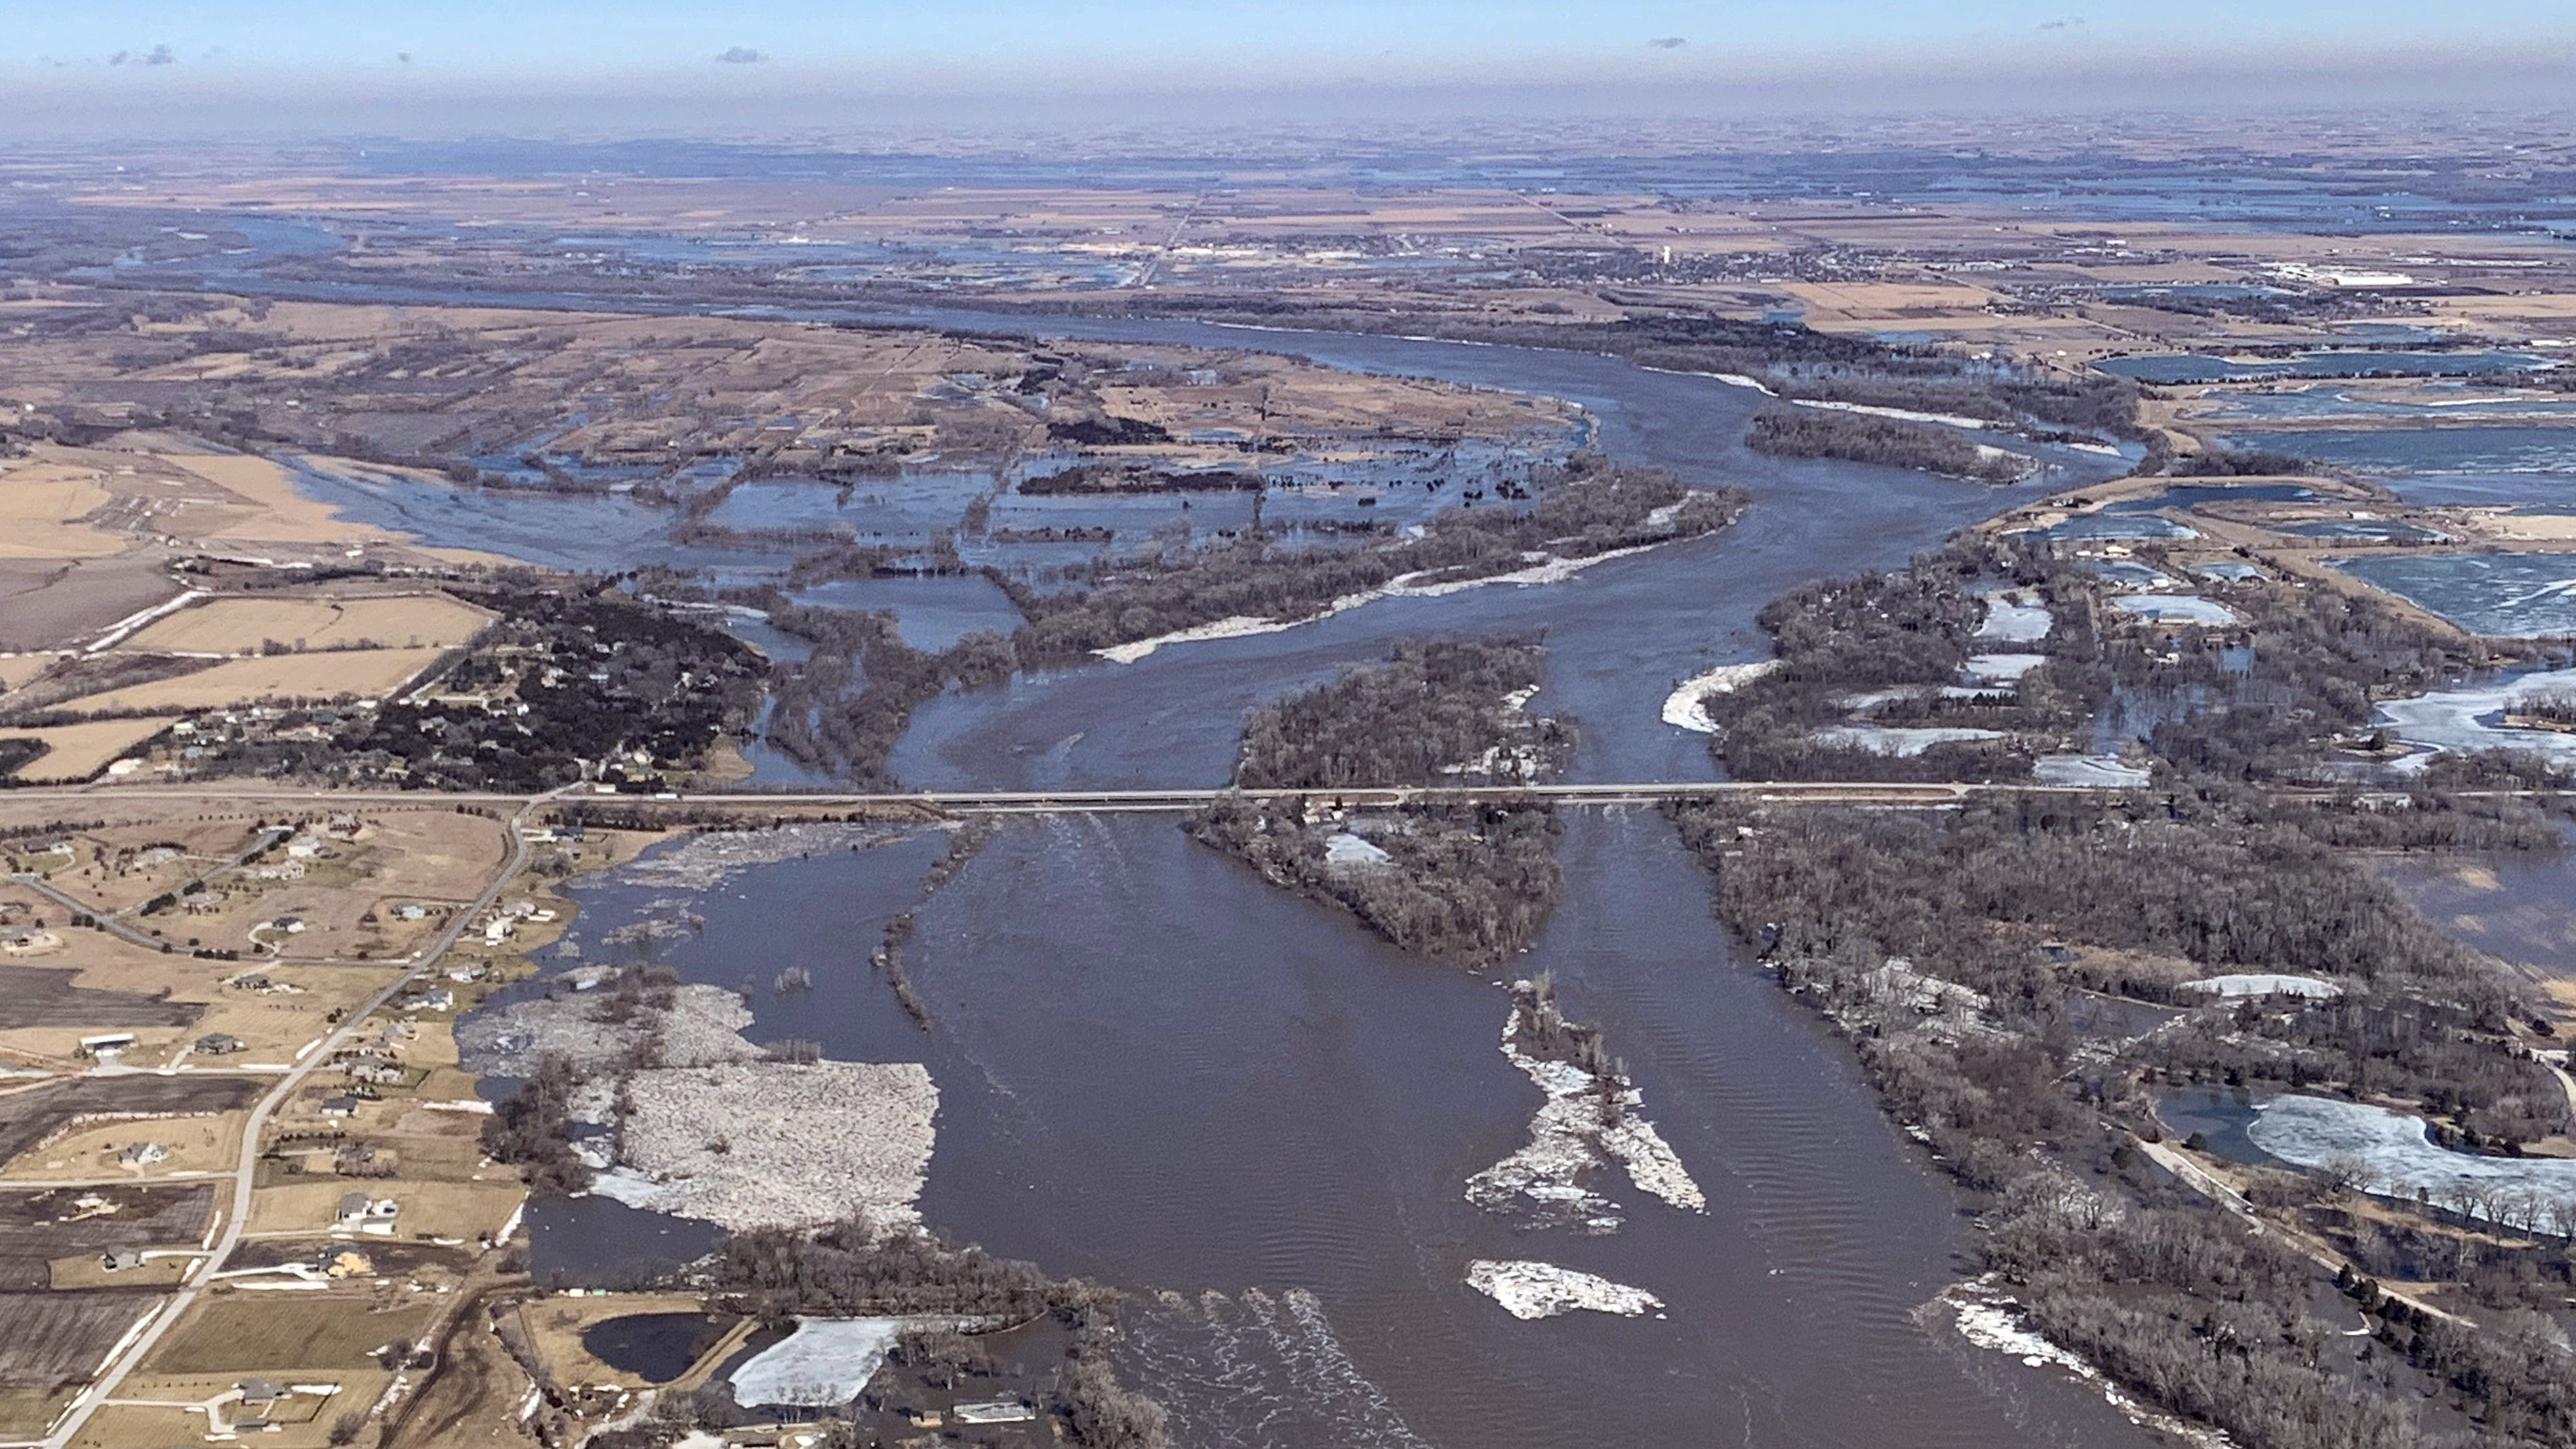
x=1989, y=1318
x=1541, y=569
x=1683, y=709
x=1345, y=849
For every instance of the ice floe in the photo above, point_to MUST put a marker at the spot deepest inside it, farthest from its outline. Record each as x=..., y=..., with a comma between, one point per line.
x=1585, y=1123
x=1534, y=1290
x=771, y=1144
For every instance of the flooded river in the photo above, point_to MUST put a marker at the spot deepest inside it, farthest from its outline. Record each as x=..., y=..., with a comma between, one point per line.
x=1159, y=1071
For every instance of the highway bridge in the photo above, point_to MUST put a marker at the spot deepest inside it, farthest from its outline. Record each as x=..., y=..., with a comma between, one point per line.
x=1040, y=802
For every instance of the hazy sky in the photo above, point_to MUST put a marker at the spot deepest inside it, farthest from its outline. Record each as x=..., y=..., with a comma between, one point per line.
x=135, y=61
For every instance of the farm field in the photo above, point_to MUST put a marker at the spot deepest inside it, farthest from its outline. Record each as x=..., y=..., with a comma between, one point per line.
x=31, y=1116
x=366, y=673
x=41, y=1227
x=48, y=1340
x=245, y=625
x=75, y=752
x=271, y=1332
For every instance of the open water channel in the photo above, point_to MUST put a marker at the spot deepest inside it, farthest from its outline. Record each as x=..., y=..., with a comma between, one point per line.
x=1159, y=1071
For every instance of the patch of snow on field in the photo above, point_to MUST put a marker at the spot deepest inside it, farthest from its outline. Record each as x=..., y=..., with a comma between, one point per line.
x=1530, y=1290
x=2262, y=983
x=1683, y=709
x=2397, y=1160
x=825, y=1362
x=1899, y=741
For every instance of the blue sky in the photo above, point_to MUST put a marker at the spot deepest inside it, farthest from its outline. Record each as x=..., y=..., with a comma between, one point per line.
x=181, y=53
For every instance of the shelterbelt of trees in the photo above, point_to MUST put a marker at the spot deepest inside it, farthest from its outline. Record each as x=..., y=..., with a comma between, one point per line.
x=1468, y=882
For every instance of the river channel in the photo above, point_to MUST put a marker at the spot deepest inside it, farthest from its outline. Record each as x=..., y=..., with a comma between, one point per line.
x=1159, y=1071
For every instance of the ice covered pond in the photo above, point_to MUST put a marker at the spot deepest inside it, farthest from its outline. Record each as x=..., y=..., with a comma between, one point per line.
x=2397, y=1160
x=2265, y=983
x=2470, y=717
x=1896, y=740
x=2102, y=772
x=2014, y=618
x=825, y=1361
x=2176, y=608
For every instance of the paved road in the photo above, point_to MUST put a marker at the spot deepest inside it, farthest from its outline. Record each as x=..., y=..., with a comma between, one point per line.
x=1646, y=792
x=246, y=1175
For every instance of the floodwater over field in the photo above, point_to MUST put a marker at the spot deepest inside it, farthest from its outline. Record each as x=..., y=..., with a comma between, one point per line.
x=2428, y=402
x=2504, y=595
x=2175, y=369
x=1234, y=1103
x=2519, y=906
x=1622, y=633
x=2475, y=448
